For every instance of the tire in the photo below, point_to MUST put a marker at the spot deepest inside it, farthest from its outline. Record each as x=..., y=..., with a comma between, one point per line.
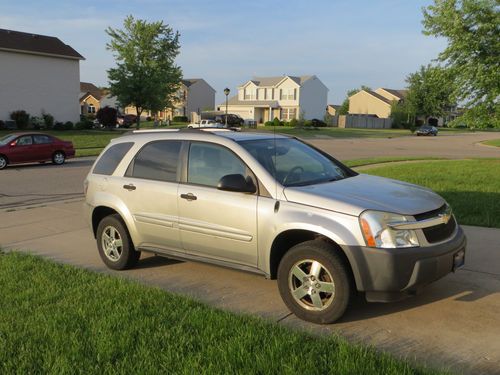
x=116, y=255
x=58, y=158
x=3, y=162
x=311, y=303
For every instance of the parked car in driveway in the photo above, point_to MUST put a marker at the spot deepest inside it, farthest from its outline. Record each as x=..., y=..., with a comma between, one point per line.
x=427, y=130
x=272, y=205
x=125, y=121
x=19, y=148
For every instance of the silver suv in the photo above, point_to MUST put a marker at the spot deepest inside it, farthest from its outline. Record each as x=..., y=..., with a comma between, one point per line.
x=272, y=205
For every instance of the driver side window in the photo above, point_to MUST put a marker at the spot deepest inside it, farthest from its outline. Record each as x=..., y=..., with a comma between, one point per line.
x=24, y=141
x=208, y=163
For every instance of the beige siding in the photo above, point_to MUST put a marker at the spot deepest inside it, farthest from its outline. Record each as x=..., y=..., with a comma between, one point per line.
x=38, y=83
x=363, y=103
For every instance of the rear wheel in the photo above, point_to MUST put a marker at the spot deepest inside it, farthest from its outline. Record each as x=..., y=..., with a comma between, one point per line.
x=314, y=282
x=3, y=162
x=115, y=246
x=58, y=158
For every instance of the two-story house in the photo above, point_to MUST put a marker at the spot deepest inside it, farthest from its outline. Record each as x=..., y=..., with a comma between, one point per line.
x=194, y=95
x=38, y=74
x=288, y=97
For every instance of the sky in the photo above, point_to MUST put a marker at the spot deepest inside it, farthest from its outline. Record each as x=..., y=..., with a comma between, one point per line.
x=346, y=43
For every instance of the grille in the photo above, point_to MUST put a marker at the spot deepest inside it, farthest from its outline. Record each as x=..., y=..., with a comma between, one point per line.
x=439, y=232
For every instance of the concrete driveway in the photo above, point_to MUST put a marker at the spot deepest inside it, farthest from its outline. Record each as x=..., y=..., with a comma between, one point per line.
x=454, y=324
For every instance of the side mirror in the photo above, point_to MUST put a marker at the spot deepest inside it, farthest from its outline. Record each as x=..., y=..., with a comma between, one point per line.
x=236, y=182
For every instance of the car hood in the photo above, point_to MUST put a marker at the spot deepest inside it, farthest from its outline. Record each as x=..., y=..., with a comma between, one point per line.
x=356, y=194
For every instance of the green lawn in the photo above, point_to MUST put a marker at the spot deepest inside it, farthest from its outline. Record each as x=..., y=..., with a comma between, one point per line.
x=472, y=187
x=57, y=319
x=493, y=142
x=388, y=159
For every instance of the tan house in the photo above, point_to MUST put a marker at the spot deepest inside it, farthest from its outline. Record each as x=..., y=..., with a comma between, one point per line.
x=332, y=109
x=90, y=98
x=263, y=98
x=377, y=103
x=39, y=74
x=194, y=96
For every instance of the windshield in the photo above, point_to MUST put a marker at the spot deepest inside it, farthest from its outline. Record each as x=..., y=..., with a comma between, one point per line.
x=294, y=163
x=7, y=139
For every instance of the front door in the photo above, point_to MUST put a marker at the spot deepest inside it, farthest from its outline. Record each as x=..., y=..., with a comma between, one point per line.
x=22, y=151
x=213, y=223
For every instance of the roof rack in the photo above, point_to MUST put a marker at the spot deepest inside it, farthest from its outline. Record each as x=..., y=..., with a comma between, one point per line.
x=139, y=131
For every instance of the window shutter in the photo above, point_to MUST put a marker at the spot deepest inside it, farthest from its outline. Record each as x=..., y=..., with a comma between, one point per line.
x=281, y=93
x=294, y=94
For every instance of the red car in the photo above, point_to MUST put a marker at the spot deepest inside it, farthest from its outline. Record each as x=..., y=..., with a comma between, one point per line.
x=34, y=147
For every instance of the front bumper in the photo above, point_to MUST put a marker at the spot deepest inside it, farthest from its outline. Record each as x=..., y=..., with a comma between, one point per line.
x=392, y=274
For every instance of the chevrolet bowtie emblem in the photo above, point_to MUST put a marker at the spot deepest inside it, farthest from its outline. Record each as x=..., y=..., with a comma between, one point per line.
x=446, y=217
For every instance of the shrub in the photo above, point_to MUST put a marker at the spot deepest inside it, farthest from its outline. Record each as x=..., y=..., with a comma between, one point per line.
x=107, y=116
x=269, y=123
x=308, y=123
x=277, y=122
x=58, y=125
x=148, y=118
x=68, y=125
x=2, y=125
x=21, y=118
x=84, y=123
x=37, y=122
x=293, y=122
x=180, y=119
x=48, y=119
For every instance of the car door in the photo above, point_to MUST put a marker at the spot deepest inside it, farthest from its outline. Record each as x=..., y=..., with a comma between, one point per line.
x=21, y=152
x=42, y=147
x=149, y=189
x=213, y=223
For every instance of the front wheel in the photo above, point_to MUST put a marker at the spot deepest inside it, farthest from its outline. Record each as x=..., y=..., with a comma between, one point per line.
x=3, y=162
x=314, y=282
x=115, y=246
x=58, y=158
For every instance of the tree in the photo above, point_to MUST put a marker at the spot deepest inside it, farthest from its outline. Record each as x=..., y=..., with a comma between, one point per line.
x=402, y=115
x=344, y=108
x=472, y=30
x=430, y=91
x=107, y=116
x=145, y=75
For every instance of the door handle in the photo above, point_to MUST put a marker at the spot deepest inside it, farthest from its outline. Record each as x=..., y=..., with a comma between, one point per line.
x=189, y=197
x=129, y=187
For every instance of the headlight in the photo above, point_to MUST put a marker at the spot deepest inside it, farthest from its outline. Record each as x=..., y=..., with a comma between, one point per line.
x=378, y=234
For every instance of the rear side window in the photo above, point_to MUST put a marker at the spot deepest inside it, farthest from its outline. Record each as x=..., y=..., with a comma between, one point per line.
x=156, y=161
x=41, y=139
x=111, y=158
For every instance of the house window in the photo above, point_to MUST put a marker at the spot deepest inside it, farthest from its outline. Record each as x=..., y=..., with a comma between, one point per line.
x=287, y=94
x=91, y=108
x=288, y=113
x=249, y=95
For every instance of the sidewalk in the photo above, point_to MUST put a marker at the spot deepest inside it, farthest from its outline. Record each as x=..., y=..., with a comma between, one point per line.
x=454, y=323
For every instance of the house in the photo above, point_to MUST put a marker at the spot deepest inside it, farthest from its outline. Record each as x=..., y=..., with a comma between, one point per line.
x=262, y=99
x=377, y=103
x=193, y=96
x=39, y=74
x=90, y=98
x=332, y=109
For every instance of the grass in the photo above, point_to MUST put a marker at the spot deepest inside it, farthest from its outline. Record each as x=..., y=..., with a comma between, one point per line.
x=386, y=159
x=472, y=187
x=58, y=319
x=493, y=142
x=336, y=132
